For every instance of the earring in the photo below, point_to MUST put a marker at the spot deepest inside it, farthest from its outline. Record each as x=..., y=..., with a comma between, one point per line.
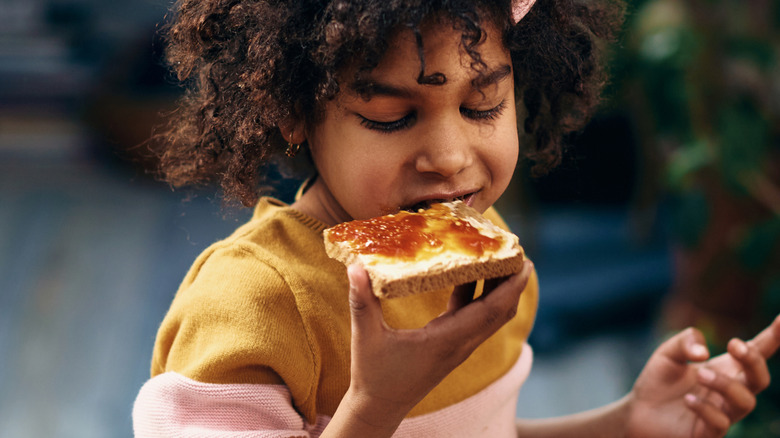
x=292, y=149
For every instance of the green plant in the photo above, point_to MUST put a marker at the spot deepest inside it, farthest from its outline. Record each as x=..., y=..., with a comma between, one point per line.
x=702, y=80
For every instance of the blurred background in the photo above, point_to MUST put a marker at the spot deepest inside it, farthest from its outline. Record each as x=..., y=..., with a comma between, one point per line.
x=665, y=213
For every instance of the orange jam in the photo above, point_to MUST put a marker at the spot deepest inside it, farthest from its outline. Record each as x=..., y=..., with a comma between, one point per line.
x=408, y=235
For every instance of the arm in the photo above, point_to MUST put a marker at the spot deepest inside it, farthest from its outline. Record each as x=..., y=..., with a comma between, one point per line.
x=171, y=404
x=605, y=422
x=392, y=370
x=679, y=394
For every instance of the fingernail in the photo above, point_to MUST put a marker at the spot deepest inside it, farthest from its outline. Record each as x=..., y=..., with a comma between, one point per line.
x=699, y=350
x=351, y=278
x=706, y=374
x=690, y=398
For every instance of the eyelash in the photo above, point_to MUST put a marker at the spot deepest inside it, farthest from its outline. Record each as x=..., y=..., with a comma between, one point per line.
x=387, y=127
x=490, y=114
x=404, y=122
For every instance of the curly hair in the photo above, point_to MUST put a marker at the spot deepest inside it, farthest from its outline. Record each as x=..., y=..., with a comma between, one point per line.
x=248, y=65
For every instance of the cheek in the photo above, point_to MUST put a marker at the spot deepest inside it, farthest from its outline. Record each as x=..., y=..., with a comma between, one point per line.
x=373, y=178
x=505, y=151
x=365, y=178
x=503, y=172
x=502, y=157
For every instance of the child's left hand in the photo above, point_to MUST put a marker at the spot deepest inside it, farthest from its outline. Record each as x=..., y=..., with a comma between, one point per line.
x=682, y=394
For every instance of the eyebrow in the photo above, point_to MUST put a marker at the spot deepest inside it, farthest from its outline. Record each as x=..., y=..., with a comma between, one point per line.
x=369, y=88
x=493, y=77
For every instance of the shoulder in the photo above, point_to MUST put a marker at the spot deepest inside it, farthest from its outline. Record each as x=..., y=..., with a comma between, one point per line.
x=259, y=253
x=240, y=304
x=234, y=312
x=257, y=308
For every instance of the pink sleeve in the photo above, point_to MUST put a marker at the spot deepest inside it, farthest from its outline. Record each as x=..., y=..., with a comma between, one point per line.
x=171, y=405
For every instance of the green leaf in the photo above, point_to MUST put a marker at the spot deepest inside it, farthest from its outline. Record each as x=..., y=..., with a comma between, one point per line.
x=744, y=135
x=686, y=161
x=690, y=217
x=760, y=244
x=758, y=51
x=770, y=298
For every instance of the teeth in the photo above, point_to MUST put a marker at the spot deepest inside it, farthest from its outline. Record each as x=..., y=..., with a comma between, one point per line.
x=427, y=204
x=418, y=206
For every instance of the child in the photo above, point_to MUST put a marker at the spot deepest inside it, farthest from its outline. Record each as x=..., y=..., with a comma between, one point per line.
x=397, y=103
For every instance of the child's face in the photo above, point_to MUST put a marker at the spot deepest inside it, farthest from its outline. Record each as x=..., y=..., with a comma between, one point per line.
x=408, y=143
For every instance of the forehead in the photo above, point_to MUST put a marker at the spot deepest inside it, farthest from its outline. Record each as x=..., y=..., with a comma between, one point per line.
x=438, y=54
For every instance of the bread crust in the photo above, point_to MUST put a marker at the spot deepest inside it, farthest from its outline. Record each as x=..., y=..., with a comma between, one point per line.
x=462, y=270
x=462, y=274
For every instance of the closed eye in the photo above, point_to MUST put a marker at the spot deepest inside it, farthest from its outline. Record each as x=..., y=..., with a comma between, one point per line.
x=489, y=114
x=388, y=127
x=407, y=120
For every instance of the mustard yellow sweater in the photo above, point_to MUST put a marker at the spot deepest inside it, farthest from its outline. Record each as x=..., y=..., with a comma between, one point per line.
x=268, y=306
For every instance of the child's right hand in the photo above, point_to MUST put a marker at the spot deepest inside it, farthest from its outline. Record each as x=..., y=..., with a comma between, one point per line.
x=392, y=370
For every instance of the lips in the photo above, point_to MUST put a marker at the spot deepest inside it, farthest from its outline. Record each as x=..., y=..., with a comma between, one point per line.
x=467, y=197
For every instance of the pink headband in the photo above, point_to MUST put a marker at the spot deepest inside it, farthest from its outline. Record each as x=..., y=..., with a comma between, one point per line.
x=520, y=8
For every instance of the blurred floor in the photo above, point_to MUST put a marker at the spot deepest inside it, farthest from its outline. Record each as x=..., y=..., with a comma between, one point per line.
x=90, y=257
x=89, y=261
x=589, y=372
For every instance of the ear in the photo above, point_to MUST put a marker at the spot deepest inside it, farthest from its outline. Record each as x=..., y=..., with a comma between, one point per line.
x=293, y=130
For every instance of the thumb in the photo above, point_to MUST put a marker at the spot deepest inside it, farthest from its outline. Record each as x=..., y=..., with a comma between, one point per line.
x=363, y=305
x=768, y=341
x=686, y=346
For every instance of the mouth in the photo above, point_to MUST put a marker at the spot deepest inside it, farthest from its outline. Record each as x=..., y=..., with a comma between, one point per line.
x=467, y=198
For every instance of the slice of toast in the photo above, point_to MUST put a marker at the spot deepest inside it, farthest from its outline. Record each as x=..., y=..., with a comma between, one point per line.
x=406, y=253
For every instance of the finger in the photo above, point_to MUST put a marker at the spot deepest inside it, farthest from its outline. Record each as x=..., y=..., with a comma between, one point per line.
x=754, y=365
x=481, y=318
x=364, y=306
x=492, y=284
x=461, y=296
x=495, y=282
x=739, y=399
x=686, y=346
x=768, y=341
x=714, y=419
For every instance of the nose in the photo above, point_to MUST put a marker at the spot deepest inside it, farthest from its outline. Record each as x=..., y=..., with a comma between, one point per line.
x=445, y=151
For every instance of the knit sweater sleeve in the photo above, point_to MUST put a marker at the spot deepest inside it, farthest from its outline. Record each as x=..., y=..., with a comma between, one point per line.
x=235, y=321
x=172, y=405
